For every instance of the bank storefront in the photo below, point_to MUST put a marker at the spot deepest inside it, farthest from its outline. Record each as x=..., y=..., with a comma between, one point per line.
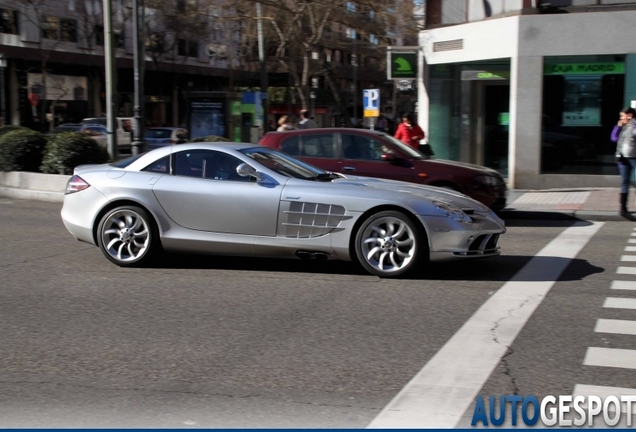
x=541, y=120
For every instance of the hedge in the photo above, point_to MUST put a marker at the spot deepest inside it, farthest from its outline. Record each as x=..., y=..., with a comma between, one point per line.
x=21, y=150
x=67, y=150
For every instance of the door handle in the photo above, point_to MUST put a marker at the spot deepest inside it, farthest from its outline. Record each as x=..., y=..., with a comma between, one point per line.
x=349, y=168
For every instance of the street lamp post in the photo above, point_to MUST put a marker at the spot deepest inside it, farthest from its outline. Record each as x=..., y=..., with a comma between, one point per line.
x=3, y=65
x=110, y=78
x=312, y=99
x=138, y=39
x=354, y=64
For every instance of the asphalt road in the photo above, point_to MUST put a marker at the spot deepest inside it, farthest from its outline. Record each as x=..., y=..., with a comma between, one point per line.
x=222, y=342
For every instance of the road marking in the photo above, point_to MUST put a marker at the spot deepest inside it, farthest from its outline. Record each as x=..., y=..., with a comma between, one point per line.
x=620, y=303
x=603, y=392
x=610, y=357
x=625, y=327
x=628, y=258
x=630, y=248
x=626, y=270
x=624, y=285
x=440, y=393
x=631, y=241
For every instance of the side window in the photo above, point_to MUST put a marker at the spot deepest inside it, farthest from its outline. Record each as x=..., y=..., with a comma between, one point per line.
x=362, y=148
x=208, y=164
x=161, y=166
x=291, y=146
x=318, y=145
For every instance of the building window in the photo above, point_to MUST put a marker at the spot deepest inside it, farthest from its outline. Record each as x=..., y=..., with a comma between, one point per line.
x=154, y=42
x=351, y=33
x=50, y=27
x=351, y=7
x=315, y=55
x=374, y=39
x=68, y=30
x=118, y=39
x=188, y=48
x=8, y=21
x=62, y=29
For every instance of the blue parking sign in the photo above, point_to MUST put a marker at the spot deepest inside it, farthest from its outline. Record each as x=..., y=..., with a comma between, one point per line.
x=371, y=102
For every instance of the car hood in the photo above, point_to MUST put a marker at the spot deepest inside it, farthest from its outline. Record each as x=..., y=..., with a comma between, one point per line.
x=411, y=190
x=477, y=168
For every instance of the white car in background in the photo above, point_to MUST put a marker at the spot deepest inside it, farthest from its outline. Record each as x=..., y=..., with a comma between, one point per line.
x=124, y=130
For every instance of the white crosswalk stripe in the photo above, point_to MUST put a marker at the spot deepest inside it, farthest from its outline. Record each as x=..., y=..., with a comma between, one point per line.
x=610, y=357
x=626, y=270
x=620, y=303
x=615, y=326
x=628, y=258
x=624, y=285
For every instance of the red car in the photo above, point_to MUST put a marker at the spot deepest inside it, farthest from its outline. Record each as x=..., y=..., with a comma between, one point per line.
x=371, y=153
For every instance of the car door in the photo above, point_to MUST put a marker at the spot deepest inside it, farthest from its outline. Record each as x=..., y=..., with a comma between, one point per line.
x=362, y=155
x=198, y=197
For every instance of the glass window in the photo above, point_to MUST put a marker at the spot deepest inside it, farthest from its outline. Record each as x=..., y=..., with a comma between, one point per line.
x=50, y=27
x=362, y=147
x=582, y=96
x=319, y=145
x=8, y=21
x=68, y=30
x=125, y=162
x=291, y=146
x=208, y=164
x=160, y=166
x=158, y=133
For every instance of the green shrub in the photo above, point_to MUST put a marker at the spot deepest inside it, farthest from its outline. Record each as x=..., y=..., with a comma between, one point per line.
x=21, y=150
x=67, y=150
x=10, y=128
x=209, y=138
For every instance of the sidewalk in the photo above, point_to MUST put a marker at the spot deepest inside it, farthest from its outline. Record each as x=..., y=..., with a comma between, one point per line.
x=600, y=204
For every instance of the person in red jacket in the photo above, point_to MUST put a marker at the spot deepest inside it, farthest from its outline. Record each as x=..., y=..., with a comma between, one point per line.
x=408, y=132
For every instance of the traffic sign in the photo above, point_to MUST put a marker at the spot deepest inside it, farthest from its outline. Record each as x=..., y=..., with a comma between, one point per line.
x=402, y=65
x=371, y=102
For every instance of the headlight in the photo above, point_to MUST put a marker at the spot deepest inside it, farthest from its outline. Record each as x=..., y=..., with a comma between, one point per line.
x=453, y=212
x=487, y=180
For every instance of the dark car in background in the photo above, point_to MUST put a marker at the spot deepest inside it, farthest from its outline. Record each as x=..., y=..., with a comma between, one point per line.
x=375, y=154
x=164, y=136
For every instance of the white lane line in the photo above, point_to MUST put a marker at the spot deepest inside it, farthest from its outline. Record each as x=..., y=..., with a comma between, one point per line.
x=634, y=233
x=610, y=357
x=631, y=241
x=625, y=327
x=630, y=248
x=631, y=258
x=624, y=285
x=448, y=384
x=626, y=270
x=620, y=303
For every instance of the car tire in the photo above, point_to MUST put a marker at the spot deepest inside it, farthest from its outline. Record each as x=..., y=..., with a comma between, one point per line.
x=389, y=244
x=128, y=236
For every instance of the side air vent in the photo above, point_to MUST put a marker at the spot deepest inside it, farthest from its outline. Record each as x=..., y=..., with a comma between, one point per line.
x=449, y=45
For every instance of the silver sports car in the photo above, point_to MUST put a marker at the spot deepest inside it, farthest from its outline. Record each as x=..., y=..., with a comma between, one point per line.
x=246, y=200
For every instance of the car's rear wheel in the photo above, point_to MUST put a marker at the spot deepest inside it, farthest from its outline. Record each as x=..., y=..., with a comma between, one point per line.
x=127, y=236
x=389, y=244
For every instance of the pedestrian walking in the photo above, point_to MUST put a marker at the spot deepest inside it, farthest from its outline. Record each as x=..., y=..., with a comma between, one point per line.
x=284, y=124
x=408, y=132
x=623, y=135
x=305, y=121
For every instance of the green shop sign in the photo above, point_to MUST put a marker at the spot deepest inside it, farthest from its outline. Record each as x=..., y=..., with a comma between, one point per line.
x=584, y=68
x=403, y=65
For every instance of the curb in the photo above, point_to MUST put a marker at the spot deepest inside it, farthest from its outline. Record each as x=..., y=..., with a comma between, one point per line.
x=29, y=194
x=572, y=216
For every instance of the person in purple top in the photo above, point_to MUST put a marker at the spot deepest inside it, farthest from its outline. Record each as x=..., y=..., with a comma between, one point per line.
x=623, y=135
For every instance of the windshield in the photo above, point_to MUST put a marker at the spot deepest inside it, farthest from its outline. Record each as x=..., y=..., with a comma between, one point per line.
x=283, y=164
x=415, y=154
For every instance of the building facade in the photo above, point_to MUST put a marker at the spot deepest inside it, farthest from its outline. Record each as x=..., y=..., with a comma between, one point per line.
x=528, y=88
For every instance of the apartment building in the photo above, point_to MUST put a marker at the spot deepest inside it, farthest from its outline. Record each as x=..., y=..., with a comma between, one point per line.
x=530, y=88
x=54, y=57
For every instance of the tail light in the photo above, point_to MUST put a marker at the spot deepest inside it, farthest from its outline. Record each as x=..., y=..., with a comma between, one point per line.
x=75, y=184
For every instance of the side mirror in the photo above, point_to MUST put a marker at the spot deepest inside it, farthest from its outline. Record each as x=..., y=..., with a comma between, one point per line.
x=388, y=157
x=245, y=170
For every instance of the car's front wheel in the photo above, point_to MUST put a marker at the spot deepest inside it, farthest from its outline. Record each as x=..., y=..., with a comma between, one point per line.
x=127, y=236
x=389, y=244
